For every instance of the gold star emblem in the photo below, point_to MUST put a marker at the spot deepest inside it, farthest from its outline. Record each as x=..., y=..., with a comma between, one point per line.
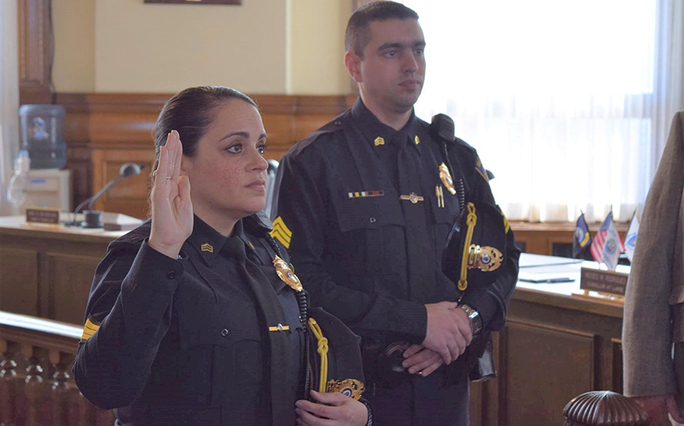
x=379, y=141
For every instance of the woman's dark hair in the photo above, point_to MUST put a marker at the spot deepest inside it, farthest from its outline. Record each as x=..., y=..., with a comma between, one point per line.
x=190, y=112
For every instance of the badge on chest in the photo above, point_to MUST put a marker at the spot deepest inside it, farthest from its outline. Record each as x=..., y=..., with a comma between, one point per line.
x=285, y=273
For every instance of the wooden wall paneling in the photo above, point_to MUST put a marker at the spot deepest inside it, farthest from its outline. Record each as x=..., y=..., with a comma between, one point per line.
x=534, y=396
x=484, y=396
x=289, y=119
x=279, y=131
x=130, y=195
x=34, y=51
x=97, y=118
x=81, y=167
x=68, y=279
x=104, y=130
x=476, y=403
x=497, y=412
x=18, y=279
x=493, y=388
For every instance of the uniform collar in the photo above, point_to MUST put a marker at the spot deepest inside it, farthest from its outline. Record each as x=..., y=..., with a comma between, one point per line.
x=373, y=128
x=208, y=242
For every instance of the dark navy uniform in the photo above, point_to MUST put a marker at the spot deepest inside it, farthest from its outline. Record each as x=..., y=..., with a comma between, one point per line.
x=370, y=249
x=212, y=338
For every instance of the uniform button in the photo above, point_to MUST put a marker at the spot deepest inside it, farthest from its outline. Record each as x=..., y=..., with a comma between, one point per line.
x=171, y=275
x=224, y=332
x=372, y=220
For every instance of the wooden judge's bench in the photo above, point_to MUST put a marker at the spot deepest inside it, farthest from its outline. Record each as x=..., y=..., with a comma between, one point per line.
x=46, y=271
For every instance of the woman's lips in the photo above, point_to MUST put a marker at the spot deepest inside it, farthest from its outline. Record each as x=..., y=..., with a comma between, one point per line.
x=257, y=185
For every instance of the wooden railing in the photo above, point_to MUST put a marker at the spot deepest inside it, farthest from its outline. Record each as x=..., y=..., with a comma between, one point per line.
x=36, y=385
x=37, y=389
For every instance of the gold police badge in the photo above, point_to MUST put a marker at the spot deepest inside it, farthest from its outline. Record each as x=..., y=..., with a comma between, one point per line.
x=350, y=387
x=285, y=273
x=445, y=176
x=484, y=258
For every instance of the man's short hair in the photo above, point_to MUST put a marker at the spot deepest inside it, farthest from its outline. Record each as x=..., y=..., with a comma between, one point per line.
x=357, y=35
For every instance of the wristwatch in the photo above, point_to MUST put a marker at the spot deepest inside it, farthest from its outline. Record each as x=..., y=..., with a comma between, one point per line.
x=474, y=317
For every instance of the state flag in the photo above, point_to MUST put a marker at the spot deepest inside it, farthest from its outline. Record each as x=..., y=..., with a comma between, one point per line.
x=607, y=245
x=582, y=236
x=631, y=237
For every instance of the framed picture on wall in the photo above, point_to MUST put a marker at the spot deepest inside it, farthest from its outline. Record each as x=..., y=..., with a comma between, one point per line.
x=237, y=2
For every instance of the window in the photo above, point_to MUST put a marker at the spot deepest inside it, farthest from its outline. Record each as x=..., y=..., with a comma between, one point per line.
x=567, y=103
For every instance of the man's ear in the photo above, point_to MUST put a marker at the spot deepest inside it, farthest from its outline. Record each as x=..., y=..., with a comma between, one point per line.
x=353, y=63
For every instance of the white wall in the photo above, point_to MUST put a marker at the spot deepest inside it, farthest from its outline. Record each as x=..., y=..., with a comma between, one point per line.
x=262, y=46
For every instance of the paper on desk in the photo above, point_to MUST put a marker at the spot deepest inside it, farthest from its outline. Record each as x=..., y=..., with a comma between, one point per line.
x=548, y=278
x=552, y=273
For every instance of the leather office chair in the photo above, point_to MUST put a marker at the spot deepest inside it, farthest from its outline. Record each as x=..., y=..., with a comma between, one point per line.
x=270, y=184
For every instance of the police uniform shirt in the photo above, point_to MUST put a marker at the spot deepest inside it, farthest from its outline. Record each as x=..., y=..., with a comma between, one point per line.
x=340, y=215
x=186, y=341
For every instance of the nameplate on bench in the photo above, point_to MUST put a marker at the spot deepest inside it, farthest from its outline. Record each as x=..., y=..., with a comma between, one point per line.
x=42, y=216
x=603, y=281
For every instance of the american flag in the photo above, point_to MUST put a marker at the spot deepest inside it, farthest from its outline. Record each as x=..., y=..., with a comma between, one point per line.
x=607, y=245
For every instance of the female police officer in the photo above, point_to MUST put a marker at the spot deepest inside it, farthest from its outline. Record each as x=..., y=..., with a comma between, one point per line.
x=188, y=321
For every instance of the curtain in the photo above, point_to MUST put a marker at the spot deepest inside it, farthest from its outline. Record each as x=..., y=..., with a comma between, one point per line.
x=9, y=96
x=568, y=103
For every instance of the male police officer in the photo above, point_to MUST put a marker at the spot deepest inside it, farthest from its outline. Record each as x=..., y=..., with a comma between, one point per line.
x=365, y=206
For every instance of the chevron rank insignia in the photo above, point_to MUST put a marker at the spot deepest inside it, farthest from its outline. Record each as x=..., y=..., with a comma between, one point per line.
x=281, y=232
x=481, y=170
x=89, y=329
x=207, y=247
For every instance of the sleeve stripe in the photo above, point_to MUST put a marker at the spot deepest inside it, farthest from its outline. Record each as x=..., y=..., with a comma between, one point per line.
x=89, y=329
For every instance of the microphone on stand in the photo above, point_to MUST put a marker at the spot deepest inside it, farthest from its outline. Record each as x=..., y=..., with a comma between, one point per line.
x=93, y=218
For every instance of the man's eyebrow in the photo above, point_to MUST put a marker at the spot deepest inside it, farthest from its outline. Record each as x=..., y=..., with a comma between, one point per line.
x=397, y=45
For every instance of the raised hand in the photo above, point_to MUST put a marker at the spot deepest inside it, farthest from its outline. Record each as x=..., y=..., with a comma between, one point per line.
x=172, y=218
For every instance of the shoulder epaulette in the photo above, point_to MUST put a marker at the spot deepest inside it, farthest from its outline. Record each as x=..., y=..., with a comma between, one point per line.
x=461, y=144
x=137, y=235
x=332, y=126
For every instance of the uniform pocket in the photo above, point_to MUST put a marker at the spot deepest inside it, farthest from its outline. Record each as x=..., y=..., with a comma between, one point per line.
x=367, y=212
x=372, y=240
x=447, y=213
x=221, y=350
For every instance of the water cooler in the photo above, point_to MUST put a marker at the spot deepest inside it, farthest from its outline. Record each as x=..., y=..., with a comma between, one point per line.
x=42, y=135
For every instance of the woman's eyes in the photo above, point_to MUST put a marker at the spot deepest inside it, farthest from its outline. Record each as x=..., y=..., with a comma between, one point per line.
x=237, y=148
